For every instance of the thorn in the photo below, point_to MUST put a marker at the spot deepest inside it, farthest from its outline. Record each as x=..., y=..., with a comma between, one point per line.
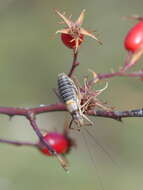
x=120, y=119
x=10, y=117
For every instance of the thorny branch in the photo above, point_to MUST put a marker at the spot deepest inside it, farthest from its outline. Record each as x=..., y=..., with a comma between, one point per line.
x=117, y=115
x=11, y=111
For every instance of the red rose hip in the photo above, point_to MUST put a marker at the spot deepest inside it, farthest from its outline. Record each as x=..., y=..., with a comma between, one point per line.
x=70, y=41
x=72, y=35
x=134, y=39
x=58, y=141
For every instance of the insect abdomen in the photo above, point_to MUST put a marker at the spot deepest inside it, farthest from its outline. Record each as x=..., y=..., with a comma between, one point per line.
x=66, y=88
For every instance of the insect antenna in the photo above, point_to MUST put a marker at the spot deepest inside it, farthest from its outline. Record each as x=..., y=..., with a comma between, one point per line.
x=94, y=161
x=93, y=137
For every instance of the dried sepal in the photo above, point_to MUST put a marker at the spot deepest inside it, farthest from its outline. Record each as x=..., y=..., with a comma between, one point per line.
x=89, y=96
x=89, y=34
x=80, y=19
x=65, y=19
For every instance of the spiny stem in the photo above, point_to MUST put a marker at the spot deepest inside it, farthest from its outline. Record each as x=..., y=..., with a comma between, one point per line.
x=117, y=115
x=61, y=107
x=12, y=111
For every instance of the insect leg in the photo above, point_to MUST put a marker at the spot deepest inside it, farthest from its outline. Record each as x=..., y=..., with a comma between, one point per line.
x=86, y=118
x=70, y=124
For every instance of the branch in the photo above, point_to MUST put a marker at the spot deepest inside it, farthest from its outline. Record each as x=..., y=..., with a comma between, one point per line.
x=11, y=111
x=120, y=74
x=132, y=59
x=31, y=113
x=61, y=107
x=74, y=63
x=117, y=115
x=19, y=143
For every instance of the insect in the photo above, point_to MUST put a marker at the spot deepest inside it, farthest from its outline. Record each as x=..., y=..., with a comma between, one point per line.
x=70, y=95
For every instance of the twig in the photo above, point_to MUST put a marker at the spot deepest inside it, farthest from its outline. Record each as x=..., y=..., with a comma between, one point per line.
x=120, y=74
x=126, y=62
x=19, y=143
x=132, y=59
x=117, y=115
x=12, y=111
x=138, y=74
x=74, y=63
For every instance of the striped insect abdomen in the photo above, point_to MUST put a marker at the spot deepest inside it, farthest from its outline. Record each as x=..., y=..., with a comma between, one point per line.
x=67, y=91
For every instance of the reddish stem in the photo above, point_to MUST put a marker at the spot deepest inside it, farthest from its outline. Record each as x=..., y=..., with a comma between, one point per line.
x=115, y=74
x=19, y=143
x=132, y=59
x=120, y=74
x=117, y=115
x=74, y=63
x=60, y=107
x=126, y=63
x=11, y=111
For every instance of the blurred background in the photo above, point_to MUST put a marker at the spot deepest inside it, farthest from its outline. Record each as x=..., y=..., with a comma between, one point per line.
x=30, y=60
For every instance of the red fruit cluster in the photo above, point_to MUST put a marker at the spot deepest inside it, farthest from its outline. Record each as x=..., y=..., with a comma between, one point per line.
x=134, y=39
x=58, y=141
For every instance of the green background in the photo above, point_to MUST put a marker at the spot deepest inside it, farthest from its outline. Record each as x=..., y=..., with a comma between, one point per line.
x=30, y=60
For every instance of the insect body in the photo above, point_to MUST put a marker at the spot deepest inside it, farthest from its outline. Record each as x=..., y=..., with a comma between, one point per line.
x=70, y=95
